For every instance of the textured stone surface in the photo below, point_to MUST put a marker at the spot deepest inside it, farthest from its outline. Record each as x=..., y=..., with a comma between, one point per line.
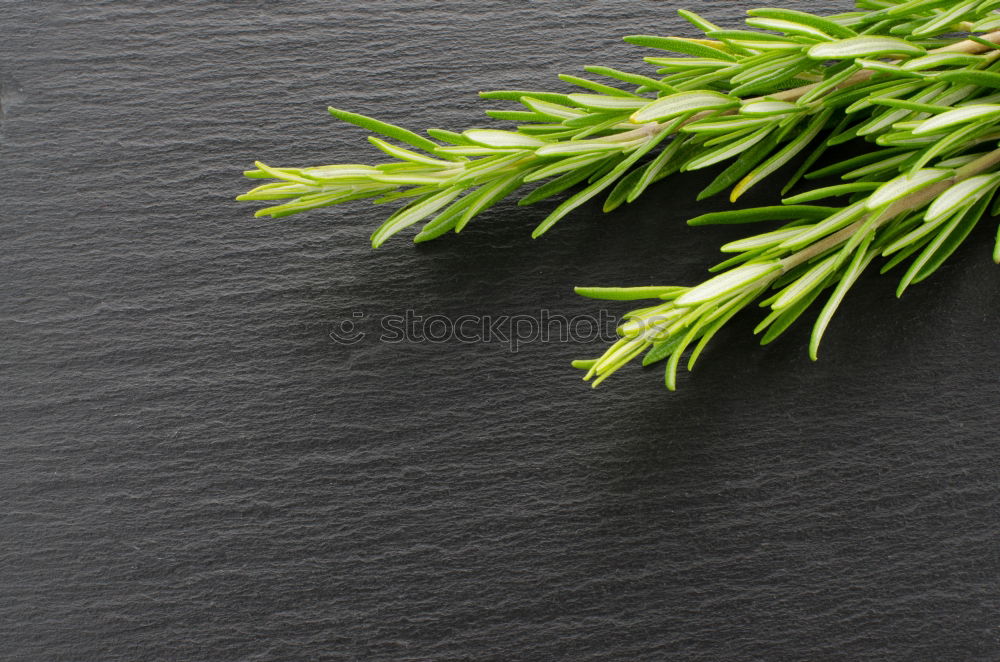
x=191, y=469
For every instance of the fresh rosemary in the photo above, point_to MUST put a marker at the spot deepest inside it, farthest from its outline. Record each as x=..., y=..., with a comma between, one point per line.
x=919, y=80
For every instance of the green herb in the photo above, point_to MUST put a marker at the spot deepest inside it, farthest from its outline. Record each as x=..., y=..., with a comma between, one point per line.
x=892, y=74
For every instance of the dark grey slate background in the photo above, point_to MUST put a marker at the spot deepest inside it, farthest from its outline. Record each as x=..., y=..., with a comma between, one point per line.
x=191, y=469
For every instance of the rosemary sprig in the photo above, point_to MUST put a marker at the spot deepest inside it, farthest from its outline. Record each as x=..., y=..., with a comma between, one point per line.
x=930, y=210
x=893, y=74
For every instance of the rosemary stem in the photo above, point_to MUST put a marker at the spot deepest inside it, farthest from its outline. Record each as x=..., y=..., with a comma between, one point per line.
x=967, y=46
x=910, y=203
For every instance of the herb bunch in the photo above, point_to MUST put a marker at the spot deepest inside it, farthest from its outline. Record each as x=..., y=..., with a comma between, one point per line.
x=918, y=80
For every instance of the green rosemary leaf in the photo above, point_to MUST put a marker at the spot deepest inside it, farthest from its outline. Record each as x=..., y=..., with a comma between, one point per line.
x=889, y=68
x=448, y=137
x=726, y=124
x=919, y=234
x=944, y=20
x=989, y=45
x=823, y=25
x=807, y=282
x=556, y=111
x=911, y=105
x=905, y=185
x=677, y=45
x=396, y=193
x=782, y=157
x=764, y=240
x=779, y=213
x=988, y=24
x=944, y=121
x=741, y=258
x=726, y=283
x=565, y=165
x=662, y=350
x=889, y=164
x=670, y=378
x=600, y=88
x=838, y=220
x=627, y=293
x=635, y=79
x=502, y=139
x=757, y=40
x=683, y=103
x=769, y=108
x=598, y=186
x=445, y=221
x=517, y=95
x=788, y=27
x=619, y=194
x=951, y=142
x=915, y=7
x=611, y=122
x=813, y=157
x=779, y=321
x=605, y=167
x=299, y=205
x=885, y=118
x=767, y=69
x=862, y=258
x=475, y=172
x=903, y=139
x=489, y=195
x=835, y=80
x=411, y=178
x=592, y=119
x=727, y=151
x=712, y=81
x=476, y=150
x=579, y=147
x=386, y=129
x=652, y=171
x=686, y=66
x=904, y=254
x=702, y=24
x=561, y=183
x=928, y=252
x=937, y=60
x=965, y=226
x=716, y=321
x=603, y=102
x=853, y=163
x=340, y=174
x=889, y=90
x=412, y=213
x=959, y=161
x=962, y=194
x=275, y=191
x=978, y=78
x=516, y=116
x=864, y=46
x=287, y=174
x=742, y=165
x=407, y=155
x=830, y=192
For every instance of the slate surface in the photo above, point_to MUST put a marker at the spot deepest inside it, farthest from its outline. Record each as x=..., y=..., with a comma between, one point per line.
x=192, y=469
